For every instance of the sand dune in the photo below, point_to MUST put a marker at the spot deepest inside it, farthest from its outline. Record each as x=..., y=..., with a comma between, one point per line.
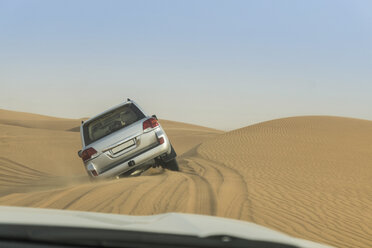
x=28, y=120
x=306, y=176
x=186, y=136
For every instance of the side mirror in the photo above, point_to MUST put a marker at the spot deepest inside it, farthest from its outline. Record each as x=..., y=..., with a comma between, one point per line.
x=154, y=116
x=79, y=153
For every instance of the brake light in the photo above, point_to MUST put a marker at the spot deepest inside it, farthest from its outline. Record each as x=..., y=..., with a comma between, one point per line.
x=150, y=123
x=88, y=153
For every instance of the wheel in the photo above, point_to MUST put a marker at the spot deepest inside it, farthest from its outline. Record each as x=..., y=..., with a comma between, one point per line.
x=170, y=162
x=171, y=165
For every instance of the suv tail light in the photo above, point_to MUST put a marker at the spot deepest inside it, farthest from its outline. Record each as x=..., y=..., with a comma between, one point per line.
x=88, y=153
x=150, y=123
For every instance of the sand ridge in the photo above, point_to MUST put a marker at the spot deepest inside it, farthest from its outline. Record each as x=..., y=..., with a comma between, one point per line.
x=305, y=176
x=28, y=120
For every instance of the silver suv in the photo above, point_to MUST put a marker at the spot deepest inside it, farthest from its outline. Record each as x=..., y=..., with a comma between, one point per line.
x=123, y=140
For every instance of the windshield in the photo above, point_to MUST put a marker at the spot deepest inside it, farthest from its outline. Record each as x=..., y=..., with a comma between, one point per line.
x=110, y=122
x=255, y=111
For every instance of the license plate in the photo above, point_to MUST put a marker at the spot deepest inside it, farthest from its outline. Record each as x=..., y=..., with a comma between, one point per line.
x=122, y=147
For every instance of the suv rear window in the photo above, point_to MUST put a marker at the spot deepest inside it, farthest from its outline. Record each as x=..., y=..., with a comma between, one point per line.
x=111, y=122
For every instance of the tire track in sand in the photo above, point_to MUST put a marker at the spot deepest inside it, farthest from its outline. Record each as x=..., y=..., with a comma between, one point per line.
x=223, y=187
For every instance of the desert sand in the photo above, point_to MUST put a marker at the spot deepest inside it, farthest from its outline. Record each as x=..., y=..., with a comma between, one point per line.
x=310, y=177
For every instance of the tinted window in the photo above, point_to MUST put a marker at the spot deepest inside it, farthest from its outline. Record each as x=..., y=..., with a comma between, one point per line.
x=111, y=122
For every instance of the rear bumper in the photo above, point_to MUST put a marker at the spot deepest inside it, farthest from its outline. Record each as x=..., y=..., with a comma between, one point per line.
x=138, y=160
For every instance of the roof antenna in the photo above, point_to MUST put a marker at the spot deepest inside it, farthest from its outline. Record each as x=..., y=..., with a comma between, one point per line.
x=128, y=99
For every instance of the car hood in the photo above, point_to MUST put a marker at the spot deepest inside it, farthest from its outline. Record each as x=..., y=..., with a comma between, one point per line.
x=169, y=223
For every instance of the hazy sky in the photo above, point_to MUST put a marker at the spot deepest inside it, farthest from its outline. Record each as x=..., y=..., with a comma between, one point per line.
x=223, y=64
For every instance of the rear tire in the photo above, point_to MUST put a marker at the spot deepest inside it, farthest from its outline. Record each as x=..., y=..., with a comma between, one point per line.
x=171, y=165
x=171, y=162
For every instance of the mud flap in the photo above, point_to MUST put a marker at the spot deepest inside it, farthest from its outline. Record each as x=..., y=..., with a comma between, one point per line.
x=170, y=156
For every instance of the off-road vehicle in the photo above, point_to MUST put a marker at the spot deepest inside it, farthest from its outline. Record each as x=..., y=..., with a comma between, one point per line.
x=124, y=140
